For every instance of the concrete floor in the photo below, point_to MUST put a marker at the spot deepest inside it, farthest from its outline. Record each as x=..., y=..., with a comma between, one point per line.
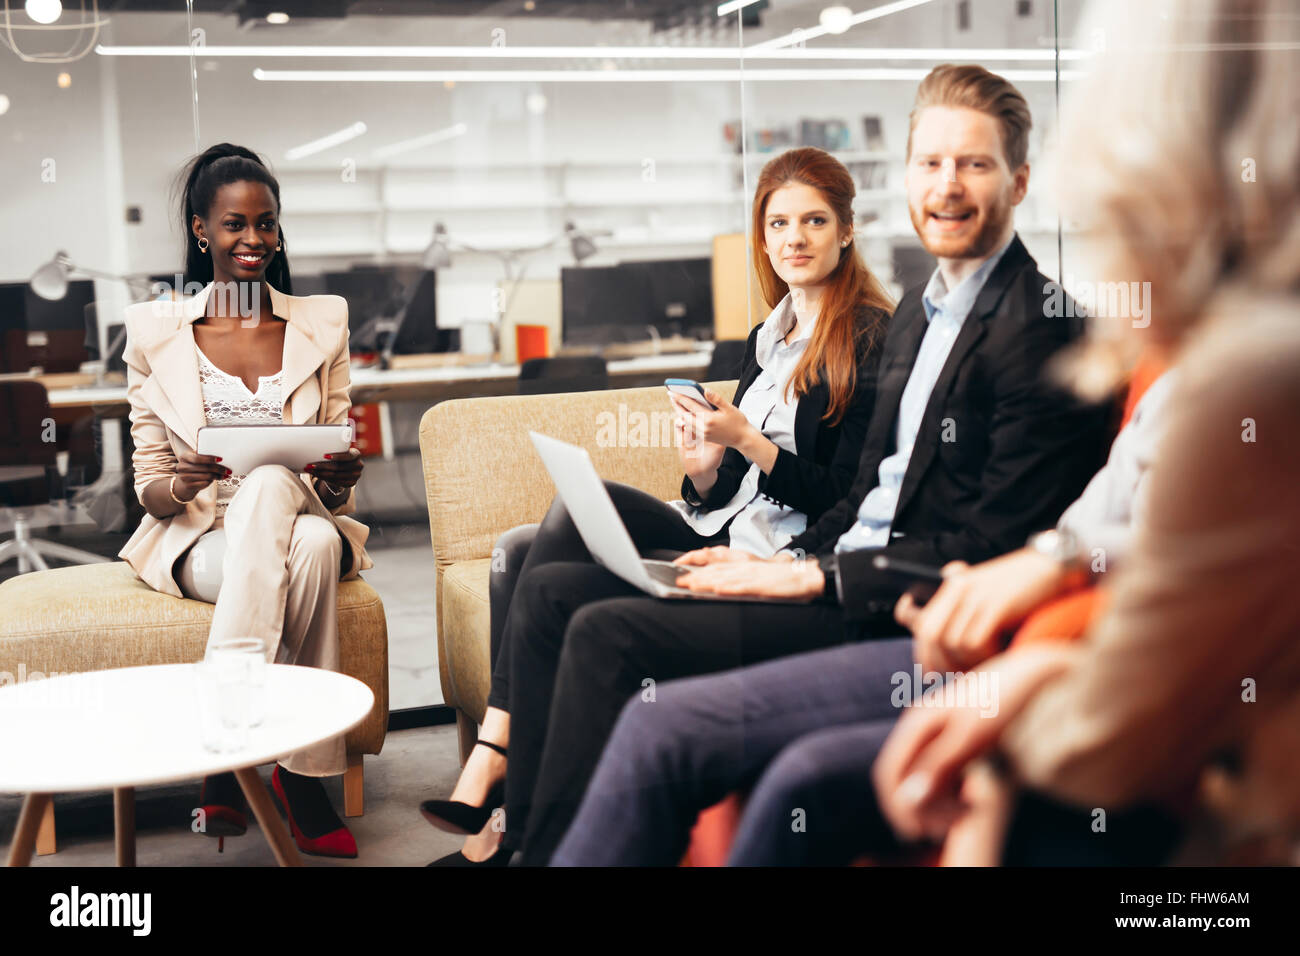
x=404, y=577
x=416, y=765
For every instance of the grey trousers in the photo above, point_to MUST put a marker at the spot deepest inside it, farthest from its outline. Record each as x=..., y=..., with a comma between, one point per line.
x=272, y=568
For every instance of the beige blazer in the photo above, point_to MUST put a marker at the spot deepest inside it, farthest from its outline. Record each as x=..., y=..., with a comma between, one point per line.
x=1197, y=653
x=167, y=412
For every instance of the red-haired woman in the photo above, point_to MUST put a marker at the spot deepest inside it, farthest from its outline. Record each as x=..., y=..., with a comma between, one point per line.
x=759, y=469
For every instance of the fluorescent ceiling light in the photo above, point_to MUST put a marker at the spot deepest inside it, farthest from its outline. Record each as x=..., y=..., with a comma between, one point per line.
x=601, y=53
x=428, y=139
x=326, y=142
x=811, y=33
x=623, y=76
x=940, y=54
x=731, y=6
x=437, y=52
x=277, y=18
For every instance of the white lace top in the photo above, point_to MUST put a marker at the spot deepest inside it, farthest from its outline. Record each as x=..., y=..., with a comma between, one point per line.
x=227, y=401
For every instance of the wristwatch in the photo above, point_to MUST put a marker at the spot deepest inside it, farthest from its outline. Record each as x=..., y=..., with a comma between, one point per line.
x=1063, y=547
x=831, y=572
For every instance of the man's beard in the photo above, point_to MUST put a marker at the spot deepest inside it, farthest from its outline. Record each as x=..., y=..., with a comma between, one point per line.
x=982, y=244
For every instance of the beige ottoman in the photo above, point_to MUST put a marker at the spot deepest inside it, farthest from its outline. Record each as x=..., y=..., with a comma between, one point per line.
x=99, y=616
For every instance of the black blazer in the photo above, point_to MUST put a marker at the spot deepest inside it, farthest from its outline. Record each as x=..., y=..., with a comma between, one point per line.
x=822, y=471
x=1000, y=453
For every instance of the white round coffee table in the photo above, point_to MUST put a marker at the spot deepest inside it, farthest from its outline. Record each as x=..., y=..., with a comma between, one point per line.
x=139, y=726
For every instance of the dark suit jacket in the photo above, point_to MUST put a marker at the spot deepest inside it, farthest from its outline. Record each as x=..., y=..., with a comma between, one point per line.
x=1000, y=453
x=821, y=472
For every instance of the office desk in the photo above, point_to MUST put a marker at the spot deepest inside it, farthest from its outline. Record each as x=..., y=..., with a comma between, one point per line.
x=432, y=385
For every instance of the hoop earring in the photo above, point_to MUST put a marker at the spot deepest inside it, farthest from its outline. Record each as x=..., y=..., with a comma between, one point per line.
x=203, y=244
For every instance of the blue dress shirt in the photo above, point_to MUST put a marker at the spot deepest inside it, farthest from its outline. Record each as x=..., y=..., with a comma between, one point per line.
x=945, y=311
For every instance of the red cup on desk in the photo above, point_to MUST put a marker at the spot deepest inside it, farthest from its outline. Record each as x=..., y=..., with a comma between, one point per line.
x=531, y=341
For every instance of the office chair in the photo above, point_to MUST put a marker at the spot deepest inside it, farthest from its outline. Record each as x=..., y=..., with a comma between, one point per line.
x=24, y=458
x=724, y=364
x=569, y=373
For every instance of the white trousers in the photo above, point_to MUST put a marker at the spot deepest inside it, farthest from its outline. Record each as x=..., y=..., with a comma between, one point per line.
x=272, y=569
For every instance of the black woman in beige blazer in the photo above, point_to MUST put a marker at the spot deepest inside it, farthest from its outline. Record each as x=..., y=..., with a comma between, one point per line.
x=267, y=548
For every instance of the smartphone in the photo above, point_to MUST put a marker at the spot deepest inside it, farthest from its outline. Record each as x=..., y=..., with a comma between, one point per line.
x=918, y=580
x=692, y=390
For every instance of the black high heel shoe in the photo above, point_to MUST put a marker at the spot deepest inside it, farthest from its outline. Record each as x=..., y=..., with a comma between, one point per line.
x=453, y=816
x=500, y=858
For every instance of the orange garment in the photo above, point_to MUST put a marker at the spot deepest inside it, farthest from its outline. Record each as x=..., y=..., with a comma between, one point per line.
x=1063, y=618
x=714, y=832
x=1145, y=372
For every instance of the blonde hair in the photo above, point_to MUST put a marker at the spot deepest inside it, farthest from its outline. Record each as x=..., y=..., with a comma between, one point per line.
x=1179, y=156
x=974, y=87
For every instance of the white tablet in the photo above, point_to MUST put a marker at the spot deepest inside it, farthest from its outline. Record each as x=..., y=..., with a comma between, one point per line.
x=242, y=448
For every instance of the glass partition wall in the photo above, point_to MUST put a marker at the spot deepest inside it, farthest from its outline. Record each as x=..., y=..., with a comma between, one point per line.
x=515, y=181
x=521, y=180
x=844, y=78
x=86, y=156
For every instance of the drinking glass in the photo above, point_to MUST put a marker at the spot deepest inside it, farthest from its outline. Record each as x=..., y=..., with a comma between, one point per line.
x=247, y=656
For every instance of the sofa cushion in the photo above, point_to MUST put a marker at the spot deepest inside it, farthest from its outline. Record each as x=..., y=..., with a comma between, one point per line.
x=482, y=478
x=100, y=616
x=466, y=622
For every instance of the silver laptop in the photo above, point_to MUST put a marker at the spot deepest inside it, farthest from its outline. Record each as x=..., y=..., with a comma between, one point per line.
x=603, y=531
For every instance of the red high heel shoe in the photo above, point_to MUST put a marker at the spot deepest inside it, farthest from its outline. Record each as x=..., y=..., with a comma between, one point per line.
x=221, y=820
x=339, y=843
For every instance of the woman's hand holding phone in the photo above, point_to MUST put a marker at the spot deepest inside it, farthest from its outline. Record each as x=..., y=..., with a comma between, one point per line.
x=700, y=459
x=725, y=424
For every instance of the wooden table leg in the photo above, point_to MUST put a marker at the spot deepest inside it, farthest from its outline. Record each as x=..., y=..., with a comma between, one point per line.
x=29, y=821
x=46, y=843
x=354, y=787
x=124, y=825
x=286, y=854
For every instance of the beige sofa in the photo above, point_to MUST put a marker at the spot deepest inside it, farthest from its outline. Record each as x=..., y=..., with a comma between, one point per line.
x=100, y=616
x=482, y=477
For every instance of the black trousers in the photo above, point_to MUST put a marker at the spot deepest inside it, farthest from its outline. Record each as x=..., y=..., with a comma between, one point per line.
x=582, y=643
x=1047, y=832
x=653, y=526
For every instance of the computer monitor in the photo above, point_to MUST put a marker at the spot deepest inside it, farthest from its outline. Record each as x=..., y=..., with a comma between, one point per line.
x=599, y=306
x=405, y=279
x=392, y=282
x=681, y=295
x=60, y=315
x=310, y=284
x=417, y=329
x=607, y=304
x=116, y=342
x=370, y=294
x=41, y=333
x=13, y=327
